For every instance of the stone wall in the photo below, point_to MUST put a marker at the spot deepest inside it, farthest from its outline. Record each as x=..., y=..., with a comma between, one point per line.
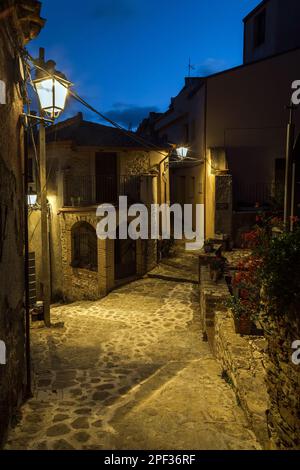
x=19, y=22
x=212, y=298
x=80, y=284
x=242, y=360
x=283, y=382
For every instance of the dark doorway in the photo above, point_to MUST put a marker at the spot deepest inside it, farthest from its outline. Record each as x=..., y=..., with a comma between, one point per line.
x=106, y=177
x=125, y=258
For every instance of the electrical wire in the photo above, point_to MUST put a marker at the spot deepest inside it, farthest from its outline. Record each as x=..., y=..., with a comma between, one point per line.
x=139, y=139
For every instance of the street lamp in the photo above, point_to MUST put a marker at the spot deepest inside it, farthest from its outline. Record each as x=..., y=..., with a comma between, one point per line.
x=182, y=152
x=52, y=89
x=31, y=197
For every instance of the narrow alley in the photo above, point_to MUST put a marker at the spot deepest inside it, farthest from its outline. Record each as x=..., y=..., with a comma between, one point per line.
x=131, y=371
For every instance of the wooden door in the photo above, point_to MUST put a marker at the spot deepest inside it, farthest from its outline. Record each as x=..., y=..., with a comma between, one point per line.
x=106, y=177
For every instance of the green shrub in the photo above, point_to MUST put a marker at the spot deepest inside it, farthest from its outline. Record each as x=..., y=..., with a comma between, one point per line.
x=280, y=271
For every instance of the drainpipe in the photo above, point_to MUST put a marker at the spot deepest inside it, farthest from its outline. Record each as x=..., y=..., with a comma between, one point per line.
x=205, y=158
x=50, y=251
x=288, y=195
x=26, y=267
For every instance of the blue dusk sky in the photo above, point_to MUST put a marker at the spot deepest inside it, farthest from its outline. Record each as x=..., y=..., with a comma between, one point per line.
x=129, y=57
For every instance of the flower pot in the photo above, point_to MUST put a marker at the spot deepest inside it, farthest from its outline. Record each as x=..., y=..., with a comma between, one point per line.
x=243, y=325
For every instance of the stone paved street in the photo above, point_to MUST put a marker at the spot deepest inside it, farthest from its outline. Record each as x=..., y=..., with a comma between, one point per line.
x=130, y=372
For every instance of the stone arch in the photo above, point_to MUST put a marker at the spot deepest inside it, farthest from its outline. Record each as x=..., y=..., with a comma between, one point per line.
x=84, y=251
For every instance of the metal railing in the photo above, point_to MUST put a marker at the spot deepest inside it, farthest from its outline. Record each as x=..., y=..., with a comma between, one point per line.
x=247, y=195
x=98, y=189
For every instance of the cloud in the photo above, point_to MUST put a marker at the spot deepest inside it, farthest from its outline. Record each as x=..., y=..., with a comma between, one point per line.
x=211, y=66
x=129, y=115
x=113, y=9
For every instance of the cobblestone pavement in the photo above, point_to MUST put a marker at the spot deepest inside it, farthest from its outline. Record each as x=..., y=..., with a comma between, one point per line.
x=130, y=372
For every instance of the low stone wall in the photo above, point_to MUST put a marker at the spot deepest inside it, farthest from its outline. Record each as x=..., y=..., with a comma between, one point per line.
x=212, y=299
x=283, y=383
x=242, y=360
x=83, y=285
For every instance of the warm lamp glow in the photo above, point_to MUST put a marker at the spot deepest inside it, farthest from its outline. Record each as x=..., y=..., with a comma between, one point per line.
x=52, y=92
x=182, y=152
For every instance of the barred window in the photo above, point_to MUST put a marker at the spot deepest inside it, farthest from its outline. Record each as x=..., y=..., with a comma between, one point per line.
x=84, y=246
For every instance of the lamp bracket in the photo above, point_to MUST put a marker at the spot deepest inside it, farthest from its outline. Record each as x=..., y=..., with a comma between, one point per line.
x=38, y=118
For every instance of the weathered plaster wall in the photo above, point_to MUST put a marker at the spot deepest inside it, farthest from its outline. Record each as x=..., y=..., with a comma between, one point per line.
x=17, y=26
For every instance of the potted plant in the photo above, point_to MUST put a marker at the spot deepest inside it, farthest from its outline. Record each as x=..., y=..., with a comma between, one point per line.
x=209, y=246
x=241, y=314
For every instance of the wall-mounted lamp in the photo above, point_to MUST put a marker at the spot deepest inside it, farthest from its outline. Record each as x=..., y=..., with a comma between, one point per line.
x=31, y=197
x=182, y=152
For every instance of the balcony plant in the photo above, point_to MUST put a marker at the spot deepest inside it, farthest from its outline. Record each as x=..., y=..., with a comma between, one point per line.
x=245, y=300
x=280, y=273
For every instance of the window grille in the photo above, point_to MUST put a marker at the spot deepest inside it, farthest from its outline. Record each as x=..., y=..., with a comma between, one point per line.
x=84, y=247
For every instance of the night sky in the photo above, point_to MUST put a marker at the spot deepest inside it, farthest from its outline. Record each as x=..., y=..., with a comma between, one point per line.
x=128, y=57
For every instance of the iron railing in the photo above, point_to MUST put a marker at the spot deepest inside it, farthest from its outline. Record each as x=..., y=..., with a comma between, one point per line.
x=247, y=195
x=98, y=189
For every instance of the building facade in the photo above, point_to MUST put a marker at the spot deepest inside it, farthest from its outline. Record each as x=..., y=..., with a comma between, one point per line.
x=246, y=122
x=235, y=125
x=270, y=29
x=19, y=22
x=181, y=125
x=88, y=165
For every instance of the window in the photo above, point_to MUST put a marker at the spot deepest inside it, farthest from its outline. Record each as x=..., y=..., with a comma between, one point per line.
x=260, y=29
x=84, y=246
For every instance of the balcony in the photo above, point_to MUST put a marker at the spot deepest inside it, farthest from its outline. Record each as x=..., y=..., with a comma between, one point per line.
x=247, y=196
x=83, y=191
